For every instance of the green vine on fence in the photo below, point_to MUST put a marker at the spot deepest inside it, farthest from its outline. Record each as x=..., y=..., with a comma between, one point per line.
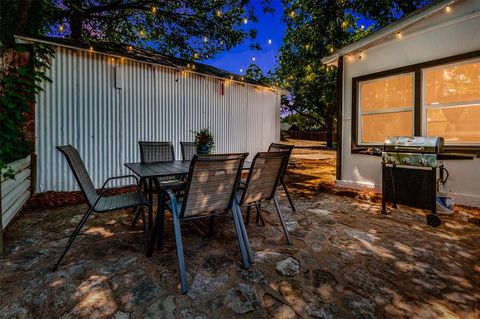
x=19, y=86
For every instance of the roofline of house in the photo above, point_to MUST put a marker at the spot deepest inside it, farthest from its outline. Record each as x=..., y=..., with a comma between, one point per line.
x=27, y=40
x=390, y=30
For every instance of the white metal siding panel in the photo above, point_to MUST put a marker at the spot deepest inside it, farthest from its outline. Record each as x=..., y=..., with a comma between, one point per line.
x=15, y=192
x=83, y=107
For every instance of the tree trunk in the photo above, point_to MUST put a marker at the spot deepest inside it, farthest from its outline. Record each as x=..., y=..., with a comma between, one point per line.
x=329, y=135
x=76, y=19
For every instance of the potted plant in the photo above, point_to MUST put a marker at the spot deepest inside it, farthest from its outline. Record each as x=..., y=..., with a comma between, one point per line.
x=205, y=141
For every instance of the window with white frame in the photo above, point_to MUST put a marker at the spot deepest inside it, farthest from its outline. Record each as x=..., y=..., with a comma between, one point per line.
x=385, y=108
x=451, y=102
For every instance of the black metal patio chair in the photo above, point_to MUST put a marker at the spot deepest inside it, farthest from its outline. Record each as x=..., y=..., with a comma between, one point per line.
x=210, y=191
x=97, y=201
x=262, y=182
x=276, y=147
x=151, y=152
x=189, y=149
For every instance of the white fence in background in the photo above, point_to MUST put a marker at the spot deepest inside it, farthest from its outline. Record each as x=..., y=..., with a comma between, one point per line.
x=104, y=108
x=15, y=192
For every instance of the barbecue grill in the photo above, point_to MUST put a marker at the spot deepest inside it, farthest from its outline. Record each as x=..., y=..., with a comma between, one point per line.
x=409, y=172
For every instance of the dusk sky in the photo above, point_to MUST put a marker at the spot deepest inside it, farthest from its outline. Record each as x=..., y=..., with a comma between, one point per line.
x=269, y=26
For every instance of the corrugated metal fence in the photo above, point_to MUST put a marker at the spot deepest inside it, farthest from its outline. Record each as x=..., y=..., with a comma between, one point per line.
x=104, y=107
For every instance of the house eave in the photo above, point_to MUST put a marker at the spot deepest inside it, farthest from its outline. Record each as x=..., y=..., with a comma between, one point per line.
x=388, y=31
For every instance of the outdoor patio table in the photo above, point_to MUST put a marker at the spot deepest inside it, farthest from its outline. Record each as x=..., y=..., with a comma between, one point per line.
x=151, y=171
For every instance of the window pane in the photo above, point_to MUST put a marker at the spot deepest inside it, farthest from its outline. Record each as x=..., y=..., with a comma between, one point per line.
x=453, y=84
x=377, y=127
x=387, y=93
x=457, y=124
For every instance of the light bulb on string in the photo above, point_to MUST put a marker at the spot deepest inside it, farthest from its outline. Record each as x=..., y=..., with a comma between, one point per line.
x=253, y=59
x=154, y=9
x=269, y=41
x=61, y=28
x=245, y=20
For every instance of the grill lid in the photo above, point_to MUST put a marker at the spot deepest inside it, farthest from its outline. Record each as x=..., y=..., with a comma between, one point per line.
x=414, y=144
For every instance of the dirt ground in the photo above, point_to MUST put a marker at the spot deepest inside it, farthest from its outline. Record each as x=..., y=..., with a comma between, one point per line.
x=347, y=261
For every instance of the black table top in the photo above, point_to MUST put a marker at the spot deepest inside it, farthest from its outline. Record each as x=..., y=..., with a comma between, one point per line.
x=164, y=169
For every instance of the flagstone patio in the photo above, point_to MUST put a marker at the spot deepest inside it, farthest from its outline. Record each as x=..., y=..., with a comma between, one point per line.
x=347, y=261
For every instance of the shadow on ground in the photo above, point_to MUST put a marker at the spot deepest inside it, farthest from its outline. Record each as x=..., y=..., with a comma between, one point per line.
x=347, y=261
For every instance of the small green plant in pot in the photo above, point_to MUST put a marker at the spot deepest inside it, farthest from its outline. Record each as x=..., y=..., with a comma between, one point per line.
x=205, y=141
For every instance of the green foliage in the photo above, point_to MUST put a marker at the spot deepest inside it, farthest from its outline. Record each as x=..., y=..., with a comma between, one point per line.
x=204, y=136
x=20, y=85
x=189, y=29
x=384, y=12
x=317, y=28
x=255, y=73
x=302, y=122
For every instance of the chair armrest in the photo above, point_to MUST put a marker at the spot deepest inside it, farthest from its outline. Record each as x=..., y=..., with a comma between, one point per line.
x=118, y=177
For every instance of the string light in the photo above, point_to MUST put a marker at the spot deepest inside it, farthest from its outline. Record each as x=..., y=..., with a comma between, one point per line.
x=344, y=24
x=205, y=39
x=245, y=20
x=193, y=66
x=221, y=42
x=196, y=55
x=362, y=27
x=331, y=50
x=253, y=59
x=292, y=14
x=142, y=33
x=241, y=70
x=242, y=78
x=61, y=28
x=130, y=48
x=448, y=9
x=219, y=13
x=91, y=49
x=154, y=9
x=269, y=41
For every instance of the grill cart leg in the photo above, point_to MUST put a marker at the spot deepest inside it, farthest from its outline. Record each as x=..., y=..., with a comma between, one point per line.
x=433, y=219
x=384, y=189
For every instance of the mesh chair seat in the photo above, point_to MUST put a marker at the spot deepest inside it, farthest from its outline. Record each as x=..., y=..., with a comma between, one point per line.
x=189, y=149
x=151, y=152
x=121, y=201
x=210, y=190
x=264, y=177
x=96, y=201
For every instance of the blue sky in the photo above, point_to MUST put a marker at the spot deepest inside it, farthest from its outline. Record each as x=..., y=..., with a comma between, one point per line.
x=269, y=26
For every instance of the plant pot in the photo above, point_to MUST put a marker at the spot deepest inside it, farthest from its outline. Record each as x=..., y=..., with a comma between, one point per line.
x=203, y=149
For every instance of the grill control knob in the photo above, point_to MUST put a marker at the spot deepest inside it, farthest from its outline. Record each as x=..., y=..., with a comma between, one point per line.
x=423, y=161
x=406, y=160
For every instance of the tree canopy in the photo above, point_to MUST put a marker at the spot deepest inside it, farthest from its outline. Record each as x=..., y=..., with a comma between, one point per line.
x=316, y=28
x=190, y=29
